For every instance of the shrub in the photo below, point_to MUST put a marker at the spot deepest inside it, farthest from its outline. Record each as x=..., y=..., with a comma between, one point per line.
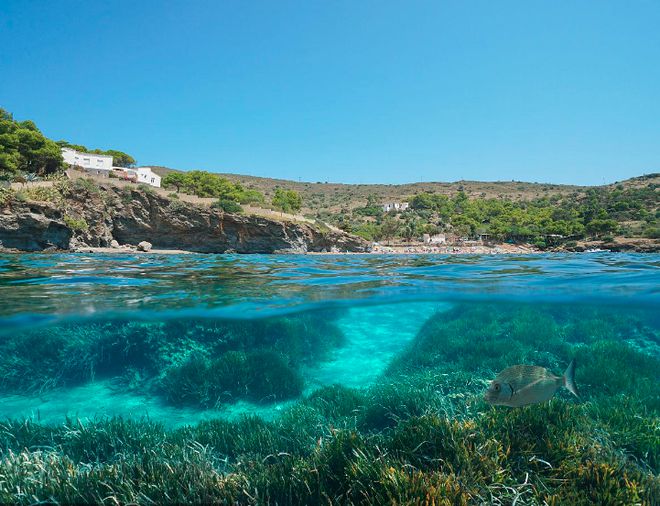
x=85, y=185
x=228, y=206
x=176, y=205
x=126, y=195
x=6, y=195
x=652, y=232
x=76, y=224
x=43, y=194
x=146, y=188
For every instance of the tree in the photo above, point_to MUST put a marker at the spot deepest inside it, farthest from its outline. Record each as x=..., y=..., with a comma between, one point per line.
x=23, y=148
x=119, y=158
x=176, y=179
x=600, y=227
x=410, y=229
x=369, y=231
x=287, y=201
x=390, y=227
x=205, y=184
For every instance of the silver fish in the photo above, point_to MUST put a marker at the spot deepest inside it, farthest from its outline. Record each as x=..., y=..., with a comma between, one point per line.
x=520, y=385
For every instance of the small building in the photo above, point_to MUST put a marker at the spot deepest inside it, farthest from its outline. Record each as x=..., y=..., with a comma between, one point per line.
x=123, y=174
x=395, y=206
x=102, y=164
x=434, y=239
x=144, y=175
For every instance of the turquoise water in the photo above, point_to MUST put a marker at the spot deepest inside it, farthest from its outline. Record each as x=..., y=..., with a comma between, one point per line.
x=377, y=305
x=183, y=339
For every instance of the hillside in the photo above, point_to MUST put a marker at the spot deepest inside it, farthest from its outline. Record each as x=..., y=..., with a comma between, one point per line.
x=545, y=215
x=332, y=197
x=320, y=196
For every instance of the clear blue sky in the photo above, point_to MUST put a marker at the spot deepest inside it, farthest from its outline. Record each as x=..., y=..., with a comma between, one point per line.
x=350, y=91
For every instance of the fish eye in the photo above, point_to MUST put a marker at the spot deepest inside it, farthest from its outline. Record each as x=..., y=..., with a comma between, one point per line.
x=497, y=387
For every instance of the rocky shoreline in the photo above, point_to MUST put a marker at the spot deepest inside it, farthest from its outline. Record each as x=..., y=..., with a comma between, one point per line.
x=89, y=217
x=85, y=217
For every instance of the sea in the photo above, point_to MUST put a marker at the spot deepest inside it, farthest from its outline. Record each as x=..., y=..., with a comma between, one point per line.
x=190, y=339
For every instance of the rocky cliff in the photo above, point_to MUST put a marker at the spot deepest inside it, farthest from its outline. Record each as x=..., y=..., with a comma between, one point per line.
x=86, y=215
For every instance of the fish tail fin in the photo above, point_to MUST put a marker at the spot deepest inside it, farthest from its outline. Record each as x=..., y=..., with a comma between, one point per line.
x=569, y=379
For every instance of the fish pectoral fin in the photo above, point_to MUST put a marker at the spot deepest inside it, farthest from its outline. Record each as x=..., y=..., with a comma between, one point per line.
x=528, y=388
x=512, y=391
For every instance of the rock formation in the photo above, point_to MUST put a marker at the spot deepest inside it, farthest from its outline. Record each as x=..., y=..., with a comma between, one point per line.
x=33, y=227
x=91, y=216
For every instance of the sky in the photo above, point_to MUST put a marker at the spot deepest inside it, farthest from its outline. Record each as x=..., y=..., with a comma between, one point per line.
x=346, y=91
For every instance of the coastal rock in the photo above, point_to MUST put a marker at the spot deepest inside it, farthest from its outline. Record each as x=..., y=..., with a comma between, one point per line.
x=33, y=227
x=131, y=216
x=144, y=246
x=114, y=243
x=148, y=216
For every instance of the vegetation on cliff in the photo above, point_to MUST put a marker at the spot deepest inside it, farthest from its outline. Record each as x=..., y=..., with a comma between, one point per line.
x=205, y=184
x=25, y=150
x=230, y=195
x=599, y=213
x=288, y=201
x=83, y=213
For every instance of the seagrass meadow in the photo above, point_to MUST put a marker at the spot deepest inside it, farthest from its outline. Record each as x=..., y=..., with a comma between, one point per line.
x=326, y=380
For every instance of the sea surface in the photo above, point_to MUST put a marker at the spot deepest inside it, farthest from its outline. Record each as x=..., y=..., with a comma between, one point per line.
x=74, y=326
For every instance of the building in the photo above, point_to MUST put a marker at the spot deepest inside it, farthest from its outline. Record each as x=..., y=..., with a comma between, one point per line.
x=142, y=175
x=395, y=206
x=101, y=164
x=434, y=239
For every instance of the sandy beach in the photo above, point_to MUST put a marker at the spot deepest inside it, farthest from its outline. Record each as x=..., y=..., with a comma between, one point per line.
x=410, y=249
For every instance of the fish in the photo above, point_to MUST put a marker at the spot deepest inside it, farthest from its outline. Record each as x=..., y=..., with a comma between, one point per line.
x=520, y=385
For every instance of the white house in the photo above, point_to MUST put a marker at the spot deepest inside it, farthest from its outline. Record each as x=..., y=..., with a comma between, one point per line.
x=395, y=206
x=142, y=175
x=89, y=161
x=434, y=239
